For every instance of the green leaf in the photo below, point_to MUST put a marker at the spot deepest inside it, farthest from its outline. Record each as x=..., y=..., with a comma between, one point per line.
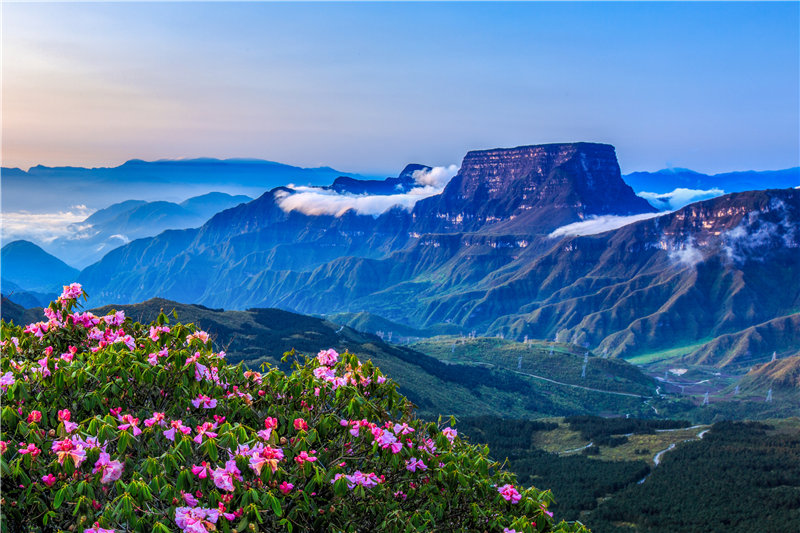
x=61, y=494
x=275, y=504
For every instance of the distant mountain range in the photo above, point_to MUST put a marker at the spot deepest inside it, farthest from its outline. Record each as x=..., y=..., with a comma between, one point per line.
x=543, y=241
x=60, y=188
x=669, y=179
x=123, y=222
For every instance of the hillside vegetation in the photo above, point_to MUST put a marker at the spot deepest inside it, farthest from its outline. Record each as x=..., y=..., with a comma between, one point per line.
x=110, y=424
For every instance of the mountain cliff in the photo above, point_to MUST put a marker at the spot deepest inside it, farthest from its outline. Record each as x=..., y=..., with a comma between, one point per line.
x=530, y=189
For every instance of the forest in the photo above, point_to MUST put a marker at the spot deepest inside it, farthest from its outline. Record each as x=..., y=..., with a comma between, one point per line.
x=758, y=461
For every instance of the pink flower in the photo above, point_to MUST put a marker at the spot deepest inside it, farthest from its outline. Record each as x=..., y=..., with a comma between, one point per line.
x=130, y=422
x=302, y=457
x=35, y=416
x=380, y=379
x=190, y=500
x=327, y=357
x=202, y=336
x=450, y=433
x=68, y=449
x=157, y=418
x=31, y=449
x=111, y=470
x=205, y=430
x=176, y=425
x=49, y=480
x=72, y=291
x=509, y=493
x=265, y=455
x=201, y=471
x=223, y=477
x=300, y=424
x=116, y=319
x=69, y=355
x=64, y=415
x=3, y=447
x=205, y=402
x=402, y=429
x=285, y=488
x=45, y=371
x=197, y=519
x=6, y=380
x=413, y=464
x=97, y=528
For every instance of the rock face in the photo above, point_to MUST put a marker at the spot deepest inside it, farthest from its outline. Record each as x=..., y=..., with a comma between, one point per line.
x=402, y=183
x=530, y=189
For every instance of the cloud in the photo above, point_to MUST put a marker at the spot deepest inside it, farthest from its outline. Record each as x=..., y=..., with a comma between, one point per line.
x=679, y=197
x=315, y=201
x=601, y=224
x=437, y=177
x=41, y=227
x=686, y=253
x=755, y=235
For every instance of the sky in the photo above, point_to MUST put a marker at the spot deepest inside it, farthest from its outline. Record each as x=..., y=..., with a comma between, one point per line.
x=369, y=87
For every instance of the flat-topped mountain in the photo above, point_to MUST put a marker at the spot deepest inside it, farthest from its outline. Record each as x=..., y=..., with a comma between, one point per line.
x=530, y=189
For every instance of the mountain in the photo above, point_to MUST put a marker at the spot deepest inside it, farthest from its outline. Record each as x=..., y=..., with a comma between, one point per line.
x=515, y=244
x=780, y=373
x=29, y=267
x=275, y=253
x=529, y=189
x=667, y=180
x=668, y=282
x=149, y=180
x=120, y=223
x=402, y=183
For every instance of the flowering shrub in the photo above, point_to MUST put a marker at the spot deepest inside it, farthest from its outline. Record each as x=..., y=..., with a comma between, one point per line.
x=111, y=425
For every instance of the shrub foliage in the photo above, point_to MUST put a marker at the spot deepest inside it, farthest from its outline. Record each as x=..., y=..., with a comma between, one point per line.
x=113, y=425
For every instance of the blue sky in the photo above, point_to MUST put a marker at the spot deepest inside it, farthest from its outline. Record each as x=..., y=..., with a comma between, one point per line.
x=370, y=87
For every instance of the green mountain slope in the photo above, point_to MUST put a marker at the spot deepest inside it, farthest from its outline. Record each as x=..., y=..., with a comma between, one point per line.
x=437, y=387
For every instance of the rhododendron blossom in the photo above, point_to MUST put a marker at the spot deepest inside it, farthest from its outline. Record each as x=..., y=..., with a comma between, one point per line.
x=206, y=402
x=111, y=470
x=509, y=493
x=285, y=487
x=97, y=529
x=265, y=455
x=6, y=380
x=196, y=519
x=224, y=477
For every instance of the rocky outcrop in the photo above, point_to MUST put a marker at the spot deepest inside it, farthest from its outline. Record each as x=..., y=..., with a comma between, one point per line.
x=402, y=183
x=530, y=189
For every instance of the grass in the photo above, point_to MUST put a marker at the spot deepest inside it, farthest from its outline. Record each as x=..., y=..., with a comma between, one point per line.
x=663, y=355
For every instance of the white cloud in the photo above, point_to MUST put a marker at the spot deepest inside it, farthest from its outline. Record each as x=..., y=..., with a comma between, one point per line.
x=601, y=224
x=315, y=201
x=41, y=227
x=686, y=253
x=437, y=177
x=679, y=197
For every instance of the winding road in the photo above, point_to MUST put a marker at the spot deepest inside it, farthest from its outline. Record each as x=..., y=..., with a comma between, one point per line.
x=483, y=363
x=657, y=457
